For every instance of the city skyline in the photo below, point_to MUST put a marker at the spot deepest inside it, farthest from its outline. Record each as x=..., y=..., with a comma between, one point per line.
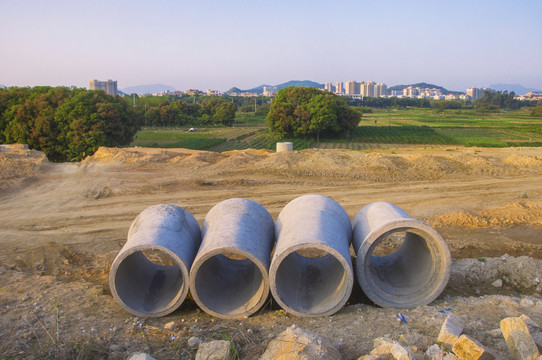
x=216, y=45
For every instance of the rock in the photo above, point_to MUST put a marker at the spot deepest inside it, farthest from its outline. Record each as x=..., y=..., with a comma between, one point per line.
x=116, y=348
x=451, y=330
x=382, y=346
x=495, y=333
x=214, y=350
x=526, y=303
x=140, y=356
x=497, y=283
x=400, y=353
x=435, y=352
x=467, y=348
x=520, y=343
x=170, y=326
x=296, y=343
x=194, y=342
x=376, y=357
x=535, y=330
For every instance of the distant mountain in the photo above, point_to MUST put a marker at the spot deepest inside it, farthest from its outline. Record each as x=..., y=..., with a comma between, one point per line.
x=259, y=89
x=425, y=85
x=516, y=88
x=148, y=89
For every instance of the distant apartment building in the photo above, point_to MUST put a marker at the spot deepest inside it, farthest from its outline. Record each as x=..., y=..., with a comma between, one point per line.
x=270, y=90
x=328, y=87
x=476, y=93
x=109, y=86
x=213, y=92
x=381, y=90
x=351, y=87
x=339, y=87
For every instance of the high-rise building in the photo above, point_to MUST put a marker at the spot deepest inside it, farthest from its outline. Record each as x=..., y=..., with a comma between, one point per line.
x=109, y=86
x=328, y=87
x=475, y=93
x=381, y=90
x=339, y=87
x=350, y=87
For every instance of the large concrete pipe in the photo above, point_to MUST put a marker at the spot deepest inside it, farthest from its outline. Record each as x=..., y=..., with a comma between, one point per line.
x=415, y=273
x=311, y=270
x=229, y=278
x=149, y=276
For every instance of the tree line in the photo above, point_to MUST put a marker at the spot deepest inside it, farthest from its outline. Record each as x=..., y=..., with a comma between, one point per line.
x=67, y=124
x=492, y=100
x=194, y=110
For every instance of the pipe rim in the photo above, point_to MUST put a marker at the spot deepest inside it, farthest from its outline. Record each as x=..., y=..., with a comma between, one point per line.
x=348, y=276
x=174, y=304
x=436, y=246
x=263, y=290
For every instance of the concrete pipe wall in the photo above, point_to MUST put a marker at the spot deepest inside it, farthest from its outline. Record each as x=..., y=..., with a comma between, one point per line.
x=229, y=278
x=149, y=276
x=285, y=146
x=311, y=270
x=415, y=274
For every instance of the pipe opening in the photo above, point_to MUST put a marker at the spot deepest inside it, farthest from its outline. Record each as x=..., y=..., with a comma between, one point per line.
x=311, y=284
x=401, y=263
x=149, y=286
x=229, y=284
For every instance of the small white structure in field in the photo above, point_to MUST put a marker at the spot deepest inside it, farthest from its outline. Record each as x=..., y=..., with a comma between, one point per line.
x=285, y=146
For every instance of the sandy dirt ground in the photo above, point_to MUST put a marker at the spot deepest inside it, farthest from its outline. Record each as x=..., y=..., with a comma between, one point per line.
x=61, y=225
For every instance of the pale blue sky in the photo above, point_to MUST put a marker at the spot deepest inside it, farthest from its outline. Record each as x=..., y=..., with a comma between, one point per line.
x=219, y=44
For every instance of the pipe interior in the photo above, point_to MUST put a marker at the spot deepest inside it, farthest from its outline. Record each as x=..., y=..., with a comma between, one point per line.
x=229, y=284
x=311, y=284
x=407, y=270
x=146, y=286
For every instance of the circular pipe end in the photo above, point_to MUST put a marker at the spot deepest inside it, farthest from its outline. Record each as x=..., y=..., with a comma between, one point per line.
x=148, y=281
x=311, y=280
x=414, y=274
x=229, y=283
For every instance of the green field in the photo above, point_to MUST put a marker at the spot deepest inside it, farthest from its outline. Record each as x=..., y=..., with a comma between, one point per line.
x=381, y=129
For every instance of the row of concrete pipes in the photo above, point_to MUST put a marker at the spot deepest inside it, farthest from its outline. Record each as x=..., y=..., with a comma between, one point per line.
x=304, y=259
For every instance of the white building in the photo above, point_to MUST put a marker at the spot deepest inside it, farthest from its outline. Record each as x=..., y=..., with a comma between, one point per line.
x=109, y=86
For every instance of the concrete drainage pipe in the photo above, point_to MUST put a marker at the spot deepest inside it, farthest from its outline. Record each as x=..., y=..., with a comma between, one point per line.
x=149, y=276
x=311, y=270
x=412, y=275
x=229, y=278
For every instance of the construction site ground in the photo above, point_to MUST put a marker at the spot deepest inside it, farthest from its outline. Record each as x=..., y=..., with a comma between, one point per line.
x=61, y=226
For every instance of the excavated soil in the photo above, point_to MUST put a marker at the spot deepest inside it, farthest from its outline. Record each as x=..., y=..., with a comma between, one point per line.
x=62, y=225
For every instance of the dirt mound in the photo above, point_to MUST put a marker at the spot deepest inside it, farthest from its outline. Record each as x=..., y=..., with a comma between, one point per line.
x=17, y=163
x=517, y=213
x=524, y=161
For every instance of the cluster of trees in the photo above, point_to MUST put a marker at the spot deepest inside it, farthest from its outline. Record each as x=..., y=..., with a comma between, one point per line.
x=493, y=100
x=67, y=124
x=211, y=111
x=308, y=112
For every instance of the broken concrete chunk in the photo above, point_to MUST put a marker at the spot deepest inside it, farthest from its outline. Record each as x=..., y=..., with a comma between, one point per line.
x=382, y=346
x=520, y=342
x=435, y=352
x=400, y=353
x=467, y=348
x=451, y=330
x=140, y=356
x=296, y=343
x=214, y=350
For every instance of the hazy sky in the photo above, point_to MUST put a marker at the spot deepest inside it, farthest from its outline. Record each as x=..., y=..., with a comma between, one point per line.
x=220, y=43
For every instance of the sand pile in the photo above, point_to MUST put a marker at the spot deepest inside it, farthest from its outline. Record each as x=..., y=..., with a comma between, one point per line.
x=528, y=211
x=17, y=163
